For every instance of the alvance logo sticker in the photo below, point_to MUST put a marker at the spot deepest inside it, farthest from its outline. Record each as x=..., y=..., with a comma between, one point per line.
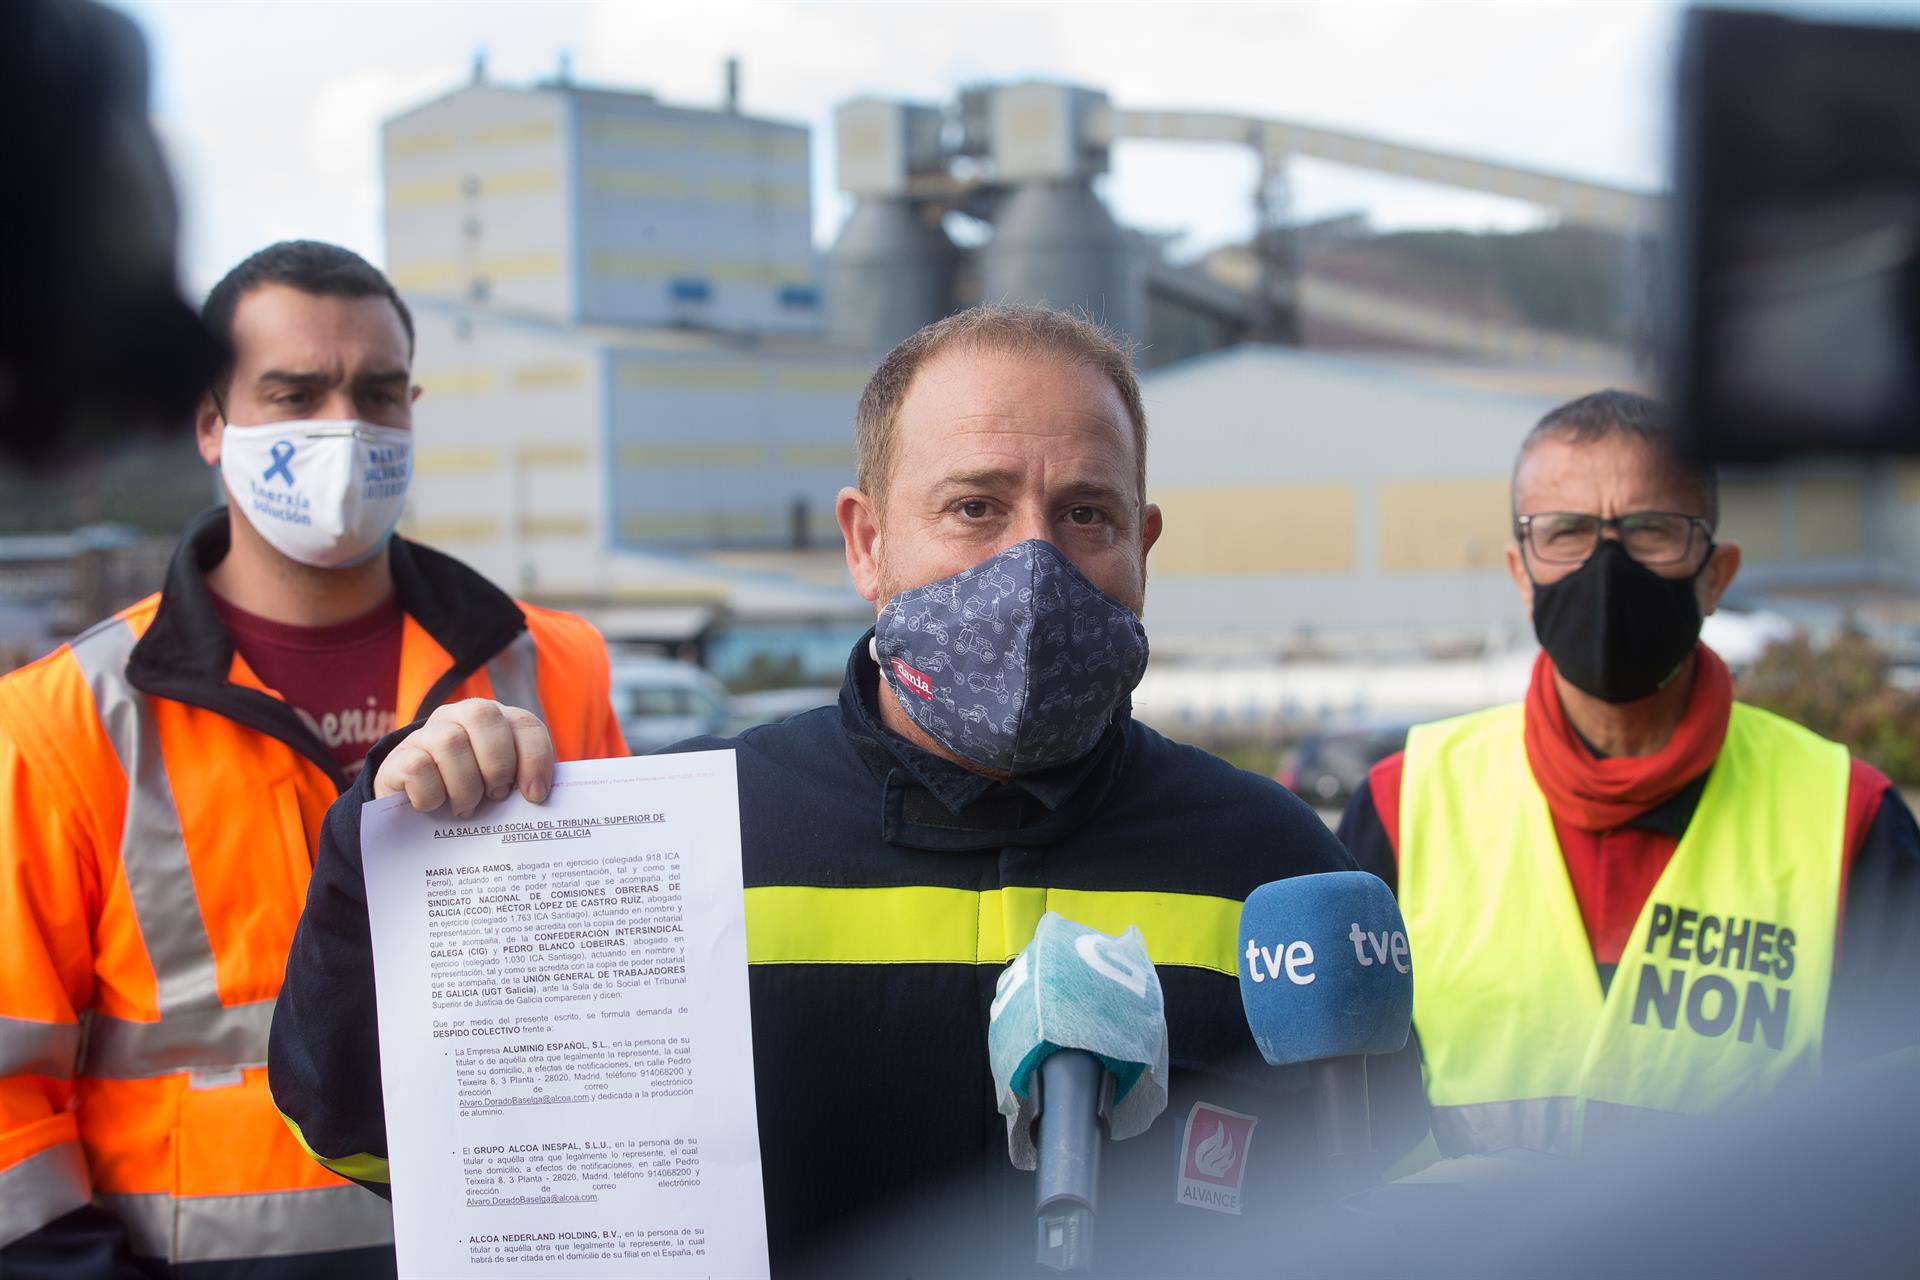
x=1213, y=1158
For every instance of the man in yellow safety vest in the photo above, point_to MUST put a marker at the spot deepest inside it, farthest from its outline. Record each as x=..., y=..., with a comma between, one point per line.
x=1626, y=894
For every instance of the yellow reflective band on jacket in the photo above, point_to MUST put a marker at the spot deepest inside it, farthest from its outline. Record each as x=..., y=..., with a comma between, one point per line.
x=361, y=1168
x=1720, y=995
x=920, y=924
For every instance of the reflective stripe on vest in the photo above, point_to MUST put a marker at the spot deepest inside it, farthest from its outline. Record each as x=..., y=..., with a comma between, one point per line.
x=1542, y=1124
x=1720, y=995
x=514, y=674
x=262, y=1224
x=1535, y=1124
x=44, y=1186
x=922, y=924
x=38, y=1048
x=216, y=1039
x=195, y=1031
x=153, y=852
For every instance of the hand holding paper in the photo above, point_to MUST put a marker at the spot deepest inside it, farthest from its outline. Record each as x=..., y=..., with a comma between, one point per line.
x=470, y=751
x=565, y=1044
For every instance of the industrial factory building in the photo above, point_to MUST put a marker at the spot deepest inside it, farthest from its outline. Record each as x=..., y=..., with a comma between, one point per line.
x=631, y=407
x=1336, y=531
x=991, y=198
x=548, y=450
x=1310, y=497
x=640, y=389
x=602, y=208
x=1318, y=502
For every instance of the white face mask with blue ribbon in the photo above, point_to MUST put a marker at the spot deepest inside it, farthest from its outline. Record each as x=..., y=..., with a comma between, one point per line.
x=326, y=493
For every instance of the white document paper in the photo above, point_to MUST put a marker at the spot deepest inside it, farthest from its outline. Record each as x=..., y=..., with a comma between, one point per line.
x=564, y=1034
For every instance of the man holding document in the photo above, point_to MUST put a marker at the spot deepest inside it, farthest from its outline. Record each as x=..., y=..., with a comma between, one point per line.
x=982, y=768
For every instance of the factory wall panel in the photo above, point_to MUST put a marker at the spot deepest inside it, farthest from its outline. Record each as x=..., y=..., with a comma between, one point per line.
x=1255, y=529
x=728, y=449
x=1272, y=607
x=508, y=457
x=1444, y=524
x=1820, y=521
x=477, y=199
x=1266, y=412
x=1894, y=530
x=1427, y=459
x=1309, y=493
x=1906, y=483
x=693, y=217
x=1830, y=518
x=1753, y=513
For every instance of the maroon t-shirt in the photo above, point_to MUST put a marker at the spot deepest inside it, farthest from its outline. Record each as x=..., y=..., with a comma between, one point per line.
x=342, y=680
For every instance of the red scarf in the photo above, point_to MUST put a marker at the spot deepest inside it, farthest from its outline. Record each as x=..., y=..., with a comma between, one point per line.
x=1600, y=795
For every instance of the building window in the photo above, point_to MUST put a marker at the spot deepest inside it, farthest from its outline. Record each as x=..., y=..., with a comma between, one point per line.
x=802, y=297
x=689, y=289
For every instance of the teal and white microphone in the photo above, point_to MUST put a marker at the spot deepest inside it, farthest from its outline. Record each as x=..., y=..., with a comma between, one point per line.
x=1078, y=1045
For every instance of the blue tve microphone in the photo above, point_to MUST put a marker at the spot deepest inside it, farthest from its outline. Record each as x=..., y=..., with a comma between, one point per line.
x=1078, y=1043
x=1327, y=978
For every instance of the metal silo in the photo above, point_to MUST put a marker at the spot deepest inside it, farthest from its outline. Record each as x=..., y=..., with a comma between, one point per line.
x=889, y=273
x=1055, y=244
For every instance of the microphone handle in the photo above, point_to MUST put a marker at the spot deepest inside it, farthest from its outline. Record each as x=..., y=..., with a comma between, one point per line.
x=1075, y=1095
x=1340, y=1113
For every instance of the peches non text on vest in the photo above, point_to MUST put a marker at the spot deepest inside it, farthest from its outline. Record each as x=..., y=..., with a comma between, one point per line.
x=1688, y=989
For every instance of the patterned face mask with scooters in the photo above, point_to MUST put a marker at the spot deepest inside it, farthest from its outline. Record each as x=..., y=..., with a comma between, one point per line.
x=1017, y=664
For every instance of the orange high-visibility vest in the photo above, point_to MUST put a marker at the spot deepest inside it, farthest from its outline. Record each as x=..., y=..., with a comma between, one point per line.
x=154, y=858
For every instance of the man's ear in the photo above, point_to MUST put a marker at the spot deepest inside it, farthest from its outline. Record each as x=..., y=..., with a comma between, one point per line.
x=860, y=527
x=1517, y=567
x=1718, y=575
x=208, y=422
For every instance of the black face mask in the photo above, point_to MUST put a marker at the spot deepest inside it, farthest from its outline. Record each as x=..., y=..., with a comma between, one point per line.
x=1615, y=628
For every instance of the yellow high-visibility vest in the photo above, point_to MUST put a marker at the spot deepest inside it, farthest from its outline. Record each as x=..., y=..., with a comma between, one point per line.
x=1721, y=994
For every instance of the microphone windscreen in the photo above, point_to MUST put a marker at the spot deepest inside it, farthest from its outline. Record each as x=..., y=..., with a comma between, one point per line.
x=1073, y=987
x=1325, y=971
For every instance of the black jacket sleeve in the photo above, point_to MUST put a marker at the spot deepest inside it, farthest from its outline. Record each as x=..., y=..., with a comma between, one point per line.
x=1874, y=1004
x=323, y=1059
x=1365, y=836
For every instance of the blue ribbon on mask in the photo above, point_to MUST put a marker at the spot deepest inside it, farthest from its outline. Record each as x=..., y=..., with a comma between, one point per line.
x=282, y=455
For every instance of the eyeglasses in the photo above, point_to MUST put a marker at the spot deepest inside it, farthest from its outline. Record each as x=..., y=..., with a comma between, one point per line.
x=1651, y=537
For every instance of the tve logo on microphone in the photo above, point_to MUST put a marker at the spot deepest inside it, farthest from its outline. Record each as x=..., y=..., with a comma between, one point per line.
x=1295, y=959
x=1326, y=967
x=1384, y=944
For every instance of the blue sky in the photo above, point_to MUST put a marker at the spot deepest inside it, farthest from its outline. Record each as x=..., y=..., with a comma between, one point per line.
x=270, y=111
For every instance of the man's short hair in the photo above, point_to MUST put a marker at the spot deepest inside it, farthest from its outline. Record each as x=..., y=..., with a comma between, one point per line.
x=1003, y=329
x=311, y=266
x=1604, y=414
